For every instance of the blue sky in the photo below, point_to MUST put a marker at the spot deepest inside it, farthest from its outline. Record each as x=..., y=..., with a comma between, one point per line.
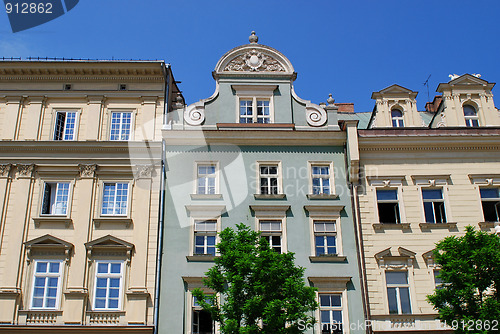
x=348, y=48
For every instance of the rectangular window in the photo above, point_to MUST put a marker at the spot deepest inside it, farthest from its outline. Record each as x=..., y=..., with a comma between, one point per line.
x=268, y=175
x=398, y=292
x=202, y=320
x=438, y=283
x=388, y=206
x=46, y=284
x=433, y=206
x=65, y=125
x=115, y=199
x=330, y=309
x=254, y=110
x=55, y=198
x=325, y=237
x=490, y=200
x=271, y=231
x=206, y=179
x=121, y=123
x=320, y=180
x=205, y=234
x=108, y=285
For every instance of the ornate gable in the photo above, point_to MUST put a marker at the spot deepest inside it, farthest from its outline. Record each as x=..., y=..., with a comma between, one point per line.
x=109, y=245
x=48, y=245
x=468, y=79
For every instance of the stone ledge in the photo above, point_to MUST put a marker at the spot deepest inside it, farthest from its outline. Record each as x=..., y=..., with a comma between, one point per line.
x=391, y=226
x=328, y=258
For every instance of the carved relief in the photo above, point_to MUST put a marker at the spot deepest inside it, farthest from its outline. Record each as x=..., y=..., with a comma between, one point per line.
x=194, y=115
x=87, y=170
x=316, y=116
x=143, y=171
x=5, y=170
x=25, y=170
x=254, y=61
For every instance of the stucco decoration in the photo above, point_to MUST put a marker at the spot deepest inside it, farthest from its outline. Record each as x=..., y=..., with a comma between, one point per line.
x=5, y=170
x=143, y=171
x=194, y=114
x=87, y=171
x=24, y=171
x=254, y=61
x=315, y=115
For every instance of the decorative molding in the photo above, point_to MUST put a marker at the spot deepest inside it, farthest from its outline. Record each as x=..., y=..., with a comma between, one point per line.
x=143, y=171
x=194, y=114
x=430, y=226
x=52, y=219
x=5, y=170
x=391, y=226
x=322, y=196
x=432, y=180
x=266, y=211
x=331, y=211
x=25, y=171
x=205, y=211
x=113, y=220
x=87, y=171
x=328, y=258
x=254, y=61
x=109, y=245
x=269, y=196
x=485, y=179
x=403, y=259
x=48, y=245
x=316, y=116
x=200, y=258
x=330, y=283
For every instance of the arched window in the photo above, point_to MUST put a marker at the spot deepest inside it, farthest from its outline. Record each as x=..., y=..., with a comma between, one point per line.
x=397, y=118
x=470, y=114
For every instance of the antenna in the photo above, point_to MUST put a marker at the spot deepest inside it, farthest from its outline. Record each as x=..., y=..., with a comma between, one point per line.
x=426, y=83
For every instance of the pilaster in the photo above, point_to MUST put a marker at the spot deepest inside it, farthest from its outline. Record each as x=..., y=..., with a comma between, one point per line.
x=11, y=117
x=30, y=124
x=93, y=117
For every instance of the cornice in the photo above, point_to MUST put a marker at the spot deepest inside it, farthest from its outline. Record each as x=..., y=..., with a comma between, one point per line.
x=78, y=146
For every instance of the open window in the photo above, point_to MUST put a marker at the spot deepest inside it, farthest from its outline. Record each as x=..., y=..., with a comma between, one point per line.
x=490, y=201
x=65, y=125
x=434, y=206
x=55, y=198
x=388, y=206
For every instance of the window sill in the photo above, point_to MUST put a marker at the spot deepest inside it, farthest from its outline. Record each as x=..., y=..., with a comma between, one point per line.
x=328, y=258
x=265, y=196
x=252, y=126
x=391, y=226
x=429, y=226
x=322, y=196
x=200, y=258
x=39, y=316
x=53, y=219
x=104, y=317
x=206, y=196
x=113, y=220
x=488, y=224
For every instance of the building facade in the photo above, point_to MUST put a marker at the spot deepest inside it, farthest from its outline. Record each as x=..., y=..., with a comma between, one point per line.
x=423, y=176
x=256, y=153
x=80, y=177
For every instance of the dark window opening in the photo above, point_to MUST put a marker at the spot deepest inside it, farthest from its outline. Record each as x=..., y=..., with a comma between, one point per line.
x=202, y=322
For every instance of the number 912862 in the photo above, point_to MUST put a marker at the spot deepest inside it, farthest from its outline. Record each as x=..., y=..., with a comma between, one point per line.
x=28, y=8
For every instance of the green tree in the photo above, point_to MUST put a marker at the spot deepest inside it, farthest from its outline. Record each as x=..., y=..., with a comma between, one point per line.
x=469, y=299
x=256, y=285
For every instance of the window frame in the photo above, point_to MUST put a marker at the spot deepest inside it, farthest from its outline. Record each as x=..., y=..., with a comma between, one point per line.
x=59, y=283
x=442, y=200
x=255, y=108
x=315, y=233
x=109, y=275
x=398, y=201
x=77, y=123
x=254, y=93
x=216, y=177
x=279, y=177
x=469, y=120
x=107, y=128
x=331, y=309
x=69, y=201
x=397, y=287
x=102, y=184
x=201, y=218
x=271, y=233
x=331, y=176
x=399, y=119
x=194, y=308
x=117, y=111
x=497, y=199
x=205, y=234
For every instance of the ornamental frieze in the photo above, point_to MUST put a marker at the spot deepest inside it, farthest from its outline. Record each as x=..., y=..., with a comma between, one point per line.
x=254, y=61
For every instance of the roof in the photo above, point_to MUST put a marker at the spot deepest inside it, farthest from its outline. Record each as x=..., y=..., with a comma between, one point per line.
x=362, y=117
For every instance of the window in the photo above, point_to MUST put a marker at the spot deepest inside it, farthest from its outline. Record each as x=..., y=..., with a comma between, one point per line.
x=433, y=206
x=490, y=200
x=271, y=231
x=65, y=125
x=121, y=123
x=388, y=206
x=470, y=114
x=55, y=198
x=205, y=234
x=202, y=320
x=206, y=179
x=398, y=292
x=325, y=237
x=268, y=175
x=397, y=118
x=438, y=283
x=108, y=285
x=255, y=110
x=46, y=284
x=320, y=180
x=330, y=308
x=115, y=199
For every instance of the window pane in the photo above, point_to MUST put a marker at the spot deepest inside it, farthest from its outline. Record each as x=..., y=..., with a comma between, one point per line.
x=116, y=268
x=392, y=299
x=432, y=194
x=38, y=292
x=489, y=193
x=102, y=268
x=325, y=317
x=40, y=282
x=405, y=300
x=41, y=267
x=54, y=267
x=37, y=302
x=336, y=300
x=386, y=195
x=113, y=303
x=396, y=277
x=100, y=303
x=429, y=212
x=388, y=213
x=51, y=303
x=469, y=110
x=102, y=283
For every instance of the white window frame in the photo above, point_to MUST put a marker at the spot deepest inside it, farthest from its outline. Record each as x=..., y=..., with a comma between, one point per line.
x=399, y=120
x=331, y=176
x=121, y=124
x=272, y=213
x=205, y=233
x=59, y=275
x=255, y=93
x=470, y=119
x=271, y=233
x=397, y=286
x=110, y=275
x=497, y=188
x=129, y=197
x=398, y=201
x=442, y=200
x=216, y=177
x=278, y=176
x=325, y=234
x=340, y=308
x=75, y=130
x=255, y=107
x=198, y=308
x=110, y=111
x=200, y=216
x=43, y=184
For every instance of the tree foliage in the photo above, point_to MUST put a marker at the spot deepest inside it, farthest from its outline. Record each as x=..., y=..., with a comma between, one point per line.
x=470, y=272
x=256, y=286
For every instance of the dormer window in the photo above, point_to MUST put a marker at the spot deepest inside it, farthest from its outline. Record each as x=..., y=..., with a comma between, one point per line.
x=255, y=110
x=470, y=114
x=397, y=118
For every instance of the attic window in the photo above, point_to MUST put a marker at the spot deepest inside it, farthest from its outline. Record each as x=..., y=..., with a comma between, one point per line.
x=397, y=118
x=68, y=87
x=123, y=87
x=470, y=115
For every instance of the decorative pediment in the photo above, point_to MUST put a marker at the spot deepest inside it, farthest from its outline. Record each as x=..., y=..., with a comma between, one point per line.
x=254, y=61
x=48, y=245
x=109, y=245
x=429, y=258
x=330, y=283
x=402, y=258
x=468, y=79
x=394, y=90
x=329, y=211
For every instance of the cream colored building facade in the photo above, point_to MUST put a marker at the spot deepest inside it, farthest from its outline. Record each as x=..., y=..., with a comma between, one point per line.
x=420, y=182
x=80, y=178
